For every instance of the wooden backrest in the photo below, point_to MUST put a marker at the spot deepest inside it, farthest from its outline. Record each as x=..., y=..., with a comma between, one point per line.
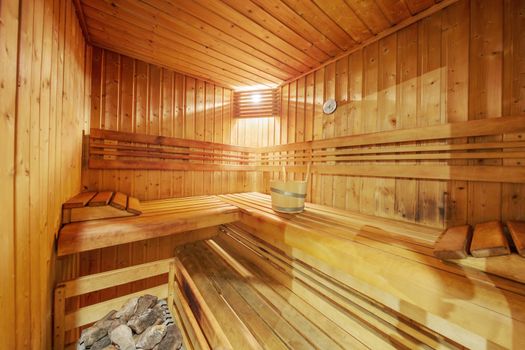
x=121, y=150
x=426, y=153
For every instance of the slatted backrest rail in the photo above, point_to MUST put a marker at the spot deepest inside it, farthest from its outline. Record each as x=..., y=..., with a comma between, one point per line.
x=426, y=153
x=85, y=315
x=122, y=150
x=454, y=151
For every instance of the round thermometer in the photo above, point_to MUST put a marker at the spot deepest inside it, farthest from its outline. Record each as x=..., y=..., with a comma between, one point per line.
x=329, y=106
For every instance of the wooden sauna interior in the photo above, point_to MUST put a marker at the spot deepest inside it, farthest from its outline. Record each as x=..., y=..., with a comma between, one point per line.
x=139, y=141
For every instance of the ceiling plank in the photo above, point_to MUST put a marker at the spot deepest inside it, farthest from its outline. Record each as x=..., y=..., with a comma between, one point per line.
x=416, y=6
x=115, y=35
x=177, y=43
x=246, y=44
x=395, y=10
x=285, y=14
x=192, y=23
x=264, y=19
x=409, y=21
x=233, y=30
x=345, y=17
x=313, y=14
x=370, y=14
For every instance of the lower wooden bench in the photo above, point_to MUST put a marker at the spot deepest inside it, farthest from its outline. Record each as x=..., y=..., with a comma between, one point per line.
x=235, y=292
x=470, y=307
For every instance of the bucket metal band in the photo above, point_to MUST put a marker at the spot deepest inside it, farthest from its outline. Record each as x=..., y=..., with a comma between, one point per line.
x=288, y=210
x=289, y=194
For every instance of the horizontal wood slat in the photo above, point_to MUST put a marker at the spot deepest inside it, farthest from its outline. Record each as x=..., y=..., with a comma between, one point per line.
x=335, y=156
x=382, y=150
x=255, y=104
x=402, y=276
x=163, y=140
x=122, y=150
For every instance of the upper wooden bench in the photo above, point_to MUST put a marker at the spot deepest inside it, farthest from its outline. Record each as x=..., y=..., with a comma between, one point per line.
x=392, y=263
x=158, y=218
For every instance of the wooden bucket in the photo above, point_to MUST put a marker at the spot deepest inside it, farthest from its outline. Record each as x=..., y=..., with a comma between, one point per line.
x=288, y=196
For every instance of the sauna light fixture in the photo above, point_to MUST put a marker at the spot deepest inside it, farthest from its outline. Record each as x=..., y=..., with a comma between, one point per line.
x=256, y=103
x=256, y=98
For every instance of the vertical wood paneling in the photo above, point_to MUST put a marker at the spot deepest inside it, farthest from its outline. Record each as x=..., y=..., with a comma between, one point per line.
x=485, y=95
x=354, y=108
x=430, y=192
x=462, y=63
x=370, y=79
x=406, y=99
x=513, y=195
x=9, y=37
x=455, y=53
x=42, y=88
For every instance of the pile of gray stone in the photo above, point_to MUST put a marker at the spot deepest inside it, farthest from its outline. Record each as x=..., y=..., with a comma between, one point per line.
x=143, y=323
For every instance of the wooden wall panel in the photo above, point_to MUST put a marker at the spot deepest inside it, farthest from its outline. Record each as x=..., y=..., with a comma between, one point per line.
x=132, y=95
x=462, y=63
x=43, y=108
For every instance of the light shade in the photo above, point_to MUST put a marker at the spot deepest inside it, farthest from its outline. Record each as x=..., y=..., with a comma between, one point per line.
x=256, y=104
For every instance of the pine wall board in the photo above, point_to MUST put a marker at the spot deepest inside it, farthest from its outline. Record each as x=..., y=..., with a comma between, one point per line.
x=134, y=96
x=462, y=63
x=43, y=101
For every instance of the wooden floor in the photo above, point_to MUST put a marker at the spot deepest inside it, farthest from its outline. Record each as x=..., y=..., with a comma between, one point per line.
x=159, y=218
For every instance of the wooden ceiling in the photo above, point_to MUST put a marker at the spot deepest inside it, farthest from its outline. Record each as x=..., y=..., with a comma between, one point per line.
x=241, y=44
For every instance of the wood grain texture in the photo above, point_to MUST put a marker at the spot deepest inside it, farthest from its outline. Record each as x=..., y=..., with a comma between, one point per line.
x=134, y=206
x=42, y=113
x=459, y=64
x=80, y=200
x=488, y=240
x=454, y=243
x=141, y=98
x=9, y=34
x=167, y=218
x=241, y=44
x=101, y=198
x=388, y=277
x=517, y=232
x=119, y=201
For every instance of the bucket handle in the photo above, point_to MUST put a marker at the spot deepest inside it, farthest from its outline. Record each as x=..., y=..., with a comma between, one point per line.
x=307, y=172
